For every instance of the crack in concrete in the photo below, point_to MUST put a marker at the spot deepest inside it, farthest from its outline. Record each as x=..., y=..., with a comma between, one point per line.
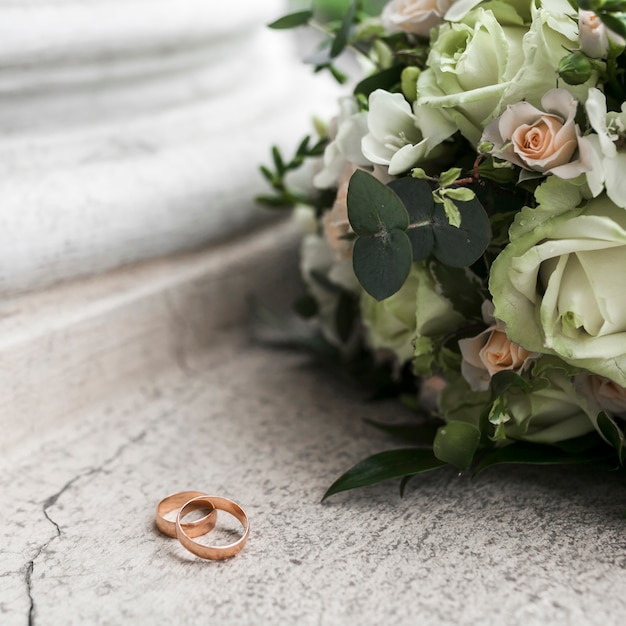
x=52, y=500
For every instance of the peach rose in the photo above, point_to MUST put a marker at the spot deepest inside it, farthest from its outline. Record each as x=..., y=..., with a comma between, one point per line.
x=491, y=352
x=546, y=141
x=414, y=16
x=605, y=393
x=335, y=222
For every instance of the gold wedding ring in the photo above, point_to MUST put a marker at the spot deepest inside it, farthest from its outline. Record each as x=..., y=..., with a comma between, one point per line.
x=192, y=529
x=215, y=553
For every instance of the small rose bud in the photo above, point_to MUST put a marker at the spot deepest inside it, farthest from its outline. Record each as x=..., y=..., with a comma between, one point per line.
x=409, y=82
x=575, y=68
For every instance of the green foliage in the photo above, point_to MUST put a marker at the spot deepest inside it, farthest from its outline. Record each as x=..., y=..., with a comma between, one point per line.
x=385, y=466
x=456, y=443
x=388, y=79
x=382, y=262
x=293, y=20
x=285, y=197
x=401, y=222
x=614, y=435
x=382, y=253
x=524, y=453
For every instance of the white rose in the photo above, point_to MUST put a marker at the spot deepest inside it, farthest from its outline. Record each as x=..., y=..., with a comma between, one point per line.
x=610, y=164
x=492, y=58
x=414, y=16
x=345, y=147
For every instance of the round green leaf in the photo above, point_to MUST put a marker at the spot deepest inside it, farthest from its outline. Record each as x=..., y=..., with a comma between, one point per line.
x=460, y=247
x=382, y=262
x=373, y=207
x=417, y=197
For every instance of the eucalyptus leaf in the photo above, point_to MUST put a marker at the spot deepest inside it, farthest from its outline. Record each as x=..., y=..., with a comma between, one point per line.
x=385, y=466
x=382, y=262
x=456, y=443
x=300, y=18
x=462, y=246
x=374, y=207
x=417, y=197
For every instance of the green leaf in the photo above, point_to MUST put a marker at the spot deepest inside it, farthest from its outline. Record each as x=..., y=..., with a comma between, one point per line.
x=301, y=18
x=463, y=194
x=418, y=434
x=583, y=443
x=386, y=79
x=373, y=207
x=417, y=198
x=385, y=466
x=452, y=212
x=455, y=443
x=462, y=246
x=502, y=381
x=525, y=453
x=449, y=176
x=306, y=306
x=461, y=287
x=614, y=435
x=345, y=315
x=341, y=38
x=382, y=262
x=616, y=23
x=278, y=161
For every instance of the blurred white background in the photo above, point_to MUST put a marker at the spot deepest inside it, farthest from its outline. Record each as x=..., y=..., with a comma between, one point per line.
x=131, y=129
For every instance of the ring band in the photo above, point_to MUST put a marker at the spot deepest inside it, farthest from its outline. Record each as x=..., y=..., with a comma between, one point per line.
x=214, y=553
x=177, y=500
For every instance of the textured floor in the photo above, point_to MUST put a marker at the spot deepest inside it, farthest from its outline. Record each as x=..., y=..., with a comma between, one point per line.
x=514, y=546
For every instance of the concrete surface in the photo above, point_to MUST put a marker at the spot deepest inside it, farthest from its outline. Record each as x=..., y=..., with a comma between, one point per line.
x=264, y=428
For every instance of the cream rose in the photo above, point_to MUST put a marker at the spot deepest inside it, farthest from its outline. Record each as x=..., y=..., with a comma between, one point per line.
x=491, y=352
x=559, y=285
x=493, y=57
x=547, y=141
x=414, y=16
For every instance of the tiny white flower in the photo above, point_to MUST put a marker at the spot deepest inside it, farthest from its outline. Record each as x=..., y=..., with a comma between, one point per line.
x=393, y=138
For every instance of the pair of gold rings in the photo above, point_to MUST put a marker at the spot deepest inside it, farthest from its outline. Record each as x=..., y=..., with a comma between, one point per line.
x=185, y=532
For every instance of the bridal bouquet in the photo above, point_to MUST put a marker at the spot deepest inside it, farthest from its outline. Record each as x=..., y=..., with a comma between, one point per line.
x=467, y=225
